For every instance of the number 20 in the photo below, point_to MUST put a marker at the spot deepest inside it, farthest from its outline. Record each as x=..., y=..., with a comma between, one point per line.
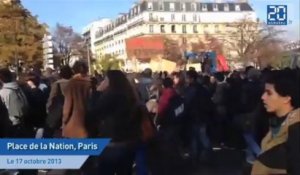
x=276, y=11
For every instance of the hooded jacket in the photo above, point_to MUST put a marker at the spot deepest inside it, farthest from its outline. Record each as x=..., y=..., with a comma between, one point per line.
x=15, y=101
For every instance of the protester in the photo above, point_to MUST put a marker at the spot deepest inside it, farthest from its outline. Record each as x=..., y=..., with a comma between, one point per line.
x=114, y=115
x=179, y=82
x=56, y=102
x=37, y=101
x=76, y=93
x=16, y=104
x=144, y=84
x=198, y=109
x=281, y=146
x=65, y=75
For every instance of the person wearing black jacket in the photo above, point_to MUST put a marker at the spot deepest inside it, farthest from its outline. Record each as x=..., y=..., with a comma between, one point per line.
x=198, y=106
x=4, y=120
x=114, y=117
x=281, y=146
x=37, y=100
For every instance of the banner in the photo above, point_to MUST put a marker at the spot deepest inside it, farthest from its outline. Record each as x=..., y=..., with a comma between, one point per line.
x=48, y=153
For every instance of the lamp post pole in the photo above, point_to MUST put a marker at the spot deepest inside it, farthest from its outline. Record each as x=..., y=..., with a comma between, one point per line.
x=89, y=58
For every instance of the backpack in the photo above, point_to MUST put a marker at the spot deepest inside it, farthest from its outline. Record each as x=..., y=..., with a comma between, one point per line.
x=175, y=111
x=55, y=110
x=17, y=105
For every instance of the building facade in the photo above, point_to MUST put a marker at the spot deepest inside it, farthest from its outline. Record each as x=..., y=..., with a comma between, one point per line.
x=89, y=32
x=182, y=20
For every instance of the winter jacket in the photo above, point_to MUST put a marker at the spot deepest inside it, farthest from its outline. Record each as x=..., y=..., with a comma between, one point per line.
x=76, y=94
x=15, y=101
x=37, y=113
x=164, y=100
x=144, y=88
x=198, y=104
x=281, y=149
x=113, y=117
x=53, y=93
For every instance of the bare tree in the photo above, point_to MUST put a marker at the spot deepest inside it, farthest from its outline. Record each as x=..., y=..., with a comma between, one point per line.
x=67, y=43
x=252, y=39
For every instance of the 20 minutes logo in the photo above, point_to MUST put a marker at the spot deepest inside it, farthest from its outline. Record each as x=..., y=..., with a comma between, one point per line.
x=277, y=15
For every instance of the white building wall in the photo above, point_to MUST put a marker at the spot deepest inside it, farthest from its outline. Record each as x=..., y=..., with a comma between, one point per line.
x=93, y=28
x=206, y=22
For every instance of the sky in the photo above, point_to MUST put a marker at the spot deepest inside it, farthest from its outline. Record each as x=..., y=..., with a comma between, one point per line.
x=79, y=13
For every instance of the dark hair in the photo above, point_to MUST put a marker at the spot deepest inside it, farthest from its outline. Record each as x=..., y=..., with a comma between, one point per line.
x=80, y=67
x=118, y=83
x=286, y=83
x=168, y=82
x=147, y=72
x=175, y=74
x=248, y=68
x=192, y=74
x=206, y=80
x=66, y=72
x=6, y=75
x=219, y=76
x=35, y=78
x=165, y=73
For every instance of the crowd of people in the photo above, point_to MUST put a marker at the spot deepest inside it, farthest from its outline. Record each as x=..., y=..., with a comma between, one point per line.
x=156, y=119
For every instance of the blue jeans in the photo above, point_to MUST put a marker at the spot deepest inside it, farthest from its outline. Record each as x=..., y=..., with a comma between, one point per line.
x=140, y=159
x=200, y=143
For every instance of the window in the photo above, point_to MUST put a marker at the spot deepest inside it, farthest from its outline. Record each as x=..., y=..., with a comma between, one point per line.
x=162, y=29
x=195, y=29
x=162, y=19
x=151, y=16
x=195, y=18
x=205, y=28
x=217, y=28
x=150, y=6
x=151, y=28
x=193, y=6
x=161, y=6
x=182, y=7
x=172, y=7
x=226, y=7
x=173, y=28
x=204, y=7
x=135, y=11
x=215, y=7
x=132, y=13
x=173, y=17
x=237, y=7
x=183, y=18
x=138, y=9
x=184, y=29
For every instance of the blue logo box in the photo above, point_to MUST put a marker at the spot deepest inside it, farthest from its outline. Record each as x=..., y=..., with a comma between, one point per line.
x=277, y=14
